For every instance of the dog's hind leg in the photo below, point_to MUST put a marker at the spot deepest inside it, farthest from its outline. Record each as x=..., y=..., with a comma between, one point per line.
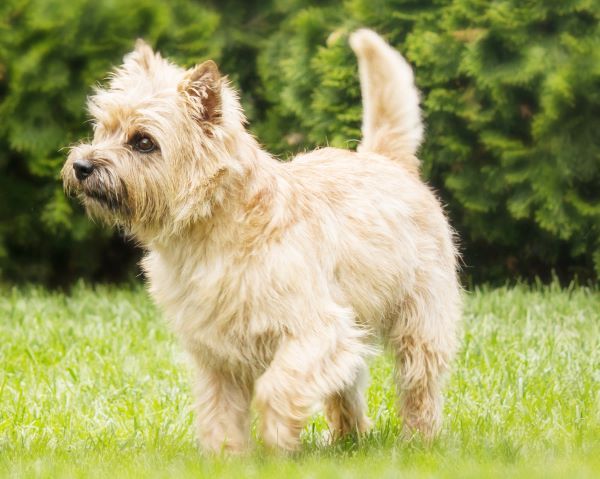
x=306, y=370
x=424, y=342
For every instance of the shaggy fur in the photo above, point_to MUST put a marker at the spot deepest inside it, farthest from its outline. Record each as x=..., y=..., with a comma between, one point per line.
x=278, y=277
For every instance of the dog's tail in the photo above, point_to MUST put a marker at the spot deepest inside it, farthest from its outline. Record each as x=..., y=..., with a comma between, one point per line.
x=391, y=116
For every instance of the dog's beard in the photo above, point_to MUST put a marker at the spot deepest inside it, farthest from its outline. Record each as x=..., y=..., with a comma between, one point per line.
x=104, y=196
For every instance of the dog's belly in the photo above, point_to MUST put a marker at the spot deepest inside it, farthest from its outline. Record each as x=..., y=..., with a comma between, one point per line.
x=376, y=271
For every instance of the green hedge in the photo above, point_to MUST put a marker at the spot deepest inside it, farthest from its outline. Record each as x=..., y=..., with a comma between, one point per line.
x=511, y=99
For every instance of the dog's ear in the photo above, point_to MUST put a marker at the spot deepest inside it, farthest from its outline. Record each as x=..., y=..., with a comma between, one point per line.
x=203, y=87
x=142, y=56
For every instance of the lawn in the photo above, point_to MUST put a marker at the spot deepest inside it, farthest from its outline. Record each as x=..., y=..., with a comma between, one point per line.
x=92, y=384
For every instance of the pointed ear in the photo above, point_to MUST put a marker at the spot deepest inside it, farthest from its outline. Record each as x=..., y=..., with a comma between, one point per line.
x=142, y=55
x=203, y=86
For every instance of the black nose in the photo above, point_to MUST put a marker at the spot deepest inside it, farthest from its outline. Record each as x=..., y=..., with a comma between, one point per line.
x=83, y=169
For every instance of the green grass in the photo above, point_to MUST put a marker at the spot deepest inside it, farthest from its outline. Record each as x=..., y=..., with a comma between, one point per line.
x=93, y=385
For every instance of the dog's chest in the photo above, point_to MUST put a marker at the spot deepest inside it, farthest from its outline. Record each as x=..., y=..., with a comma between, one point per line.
x=210, y=305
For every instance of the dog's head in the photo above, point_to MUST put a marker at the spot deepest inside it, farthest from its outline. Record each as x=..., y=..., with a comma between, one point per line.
x=160, y=145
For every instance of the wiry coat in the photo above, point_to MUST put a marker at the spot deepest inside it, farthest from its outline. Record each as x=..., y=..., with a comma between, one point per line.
x=278, y=277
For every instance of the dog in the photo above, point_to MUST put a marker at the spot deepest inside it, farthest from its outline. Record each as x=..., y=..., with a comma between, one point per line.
x=279, y=277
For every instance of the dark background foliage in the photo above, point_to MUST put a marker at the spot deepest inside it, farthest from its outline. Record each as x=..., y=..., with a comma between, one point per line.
x=511, y=95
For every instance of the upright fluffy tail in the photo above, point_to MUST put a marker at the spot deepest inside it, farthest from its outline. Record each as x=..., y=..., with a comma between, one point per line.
x=391, y=116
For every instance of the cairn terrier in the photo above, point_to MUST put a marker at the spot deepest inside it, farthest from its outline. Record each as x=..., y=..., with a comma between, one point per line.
x=278, y=277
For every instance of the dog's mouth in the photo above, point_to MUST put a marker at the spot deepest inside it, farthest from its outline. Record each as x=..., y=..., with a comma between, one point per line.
x=103, y=198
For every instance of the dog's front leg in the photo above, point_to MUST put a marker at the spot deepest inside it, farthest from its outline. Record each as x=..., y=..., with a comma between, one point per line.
x=223, y=410
x=305, y=370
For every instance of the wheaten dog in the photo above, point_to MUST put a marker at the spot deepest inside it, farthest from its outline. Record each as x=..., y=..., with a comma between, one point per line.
x=278, y=277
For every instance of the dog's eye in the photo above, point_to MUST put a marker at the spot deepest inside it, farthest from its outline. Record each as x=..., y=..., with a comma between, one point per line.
x=144, y=144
